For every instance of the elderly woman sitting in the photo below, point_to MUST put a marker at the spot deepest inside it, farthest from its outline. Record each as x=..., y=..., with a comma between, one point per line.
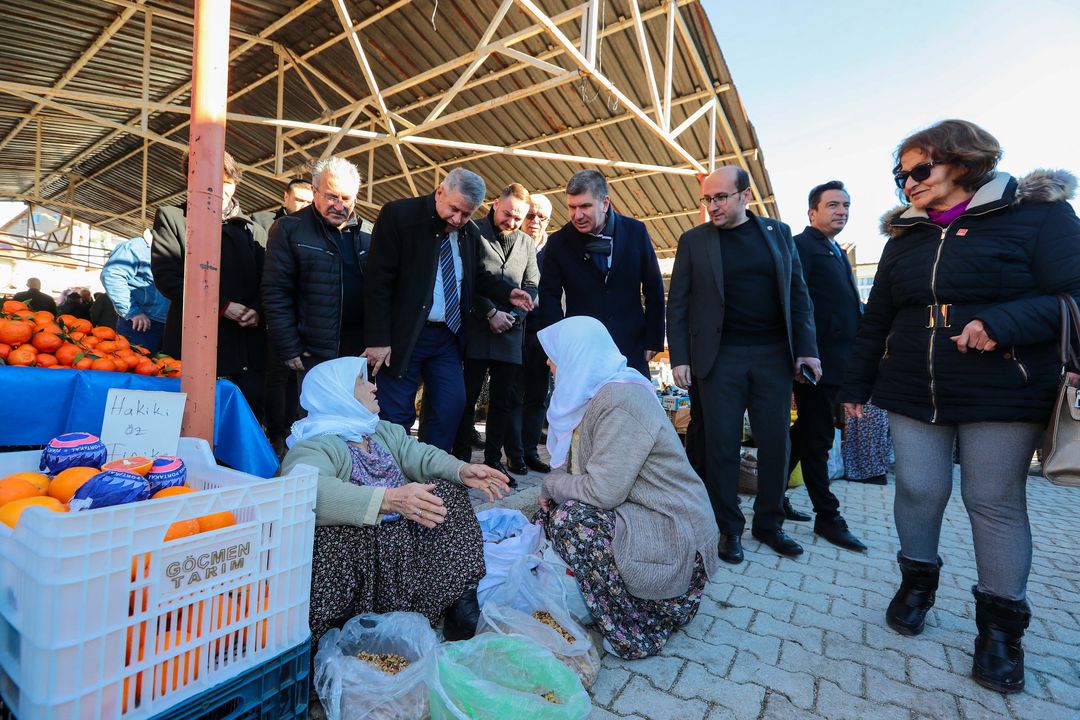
x=394, y=529
x=624, y=508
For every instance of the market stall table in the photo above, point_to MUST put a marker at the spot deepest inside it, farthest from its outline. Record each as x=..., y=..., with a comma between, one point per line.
x=43, y=403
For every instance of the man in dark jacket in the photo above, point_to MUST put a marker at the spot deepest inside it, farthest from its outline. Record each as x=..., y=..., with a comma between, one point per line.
x=297, y=196
x=836, y=317
x=241, y=347
x=495, y=331
x=604, y=263
x=740, y=323
x=34, y=298
x=422, y=271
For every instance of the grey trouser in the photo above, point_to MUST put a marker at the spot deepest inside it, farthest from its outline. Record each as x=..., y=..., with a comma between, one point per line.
x=994, y=460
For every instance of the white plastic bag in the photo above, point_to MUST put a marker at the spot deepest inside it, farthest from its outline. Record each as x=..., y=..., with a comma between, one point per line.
x=567, y=581
x=352, y=689
x=530, y=590
x=836, y=457
x=508, y=537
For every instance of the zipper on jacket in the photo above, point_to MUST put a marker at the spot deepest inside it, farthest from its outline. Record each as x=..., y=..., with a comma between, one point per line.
x=312, y=247
x=1020, y=365
x=885, y=355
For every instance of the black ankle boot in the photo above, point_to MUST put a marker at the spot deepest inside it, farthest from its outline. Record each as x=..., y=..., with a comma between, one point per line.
x=907, y=611
x=999, y=658
x=462, y=616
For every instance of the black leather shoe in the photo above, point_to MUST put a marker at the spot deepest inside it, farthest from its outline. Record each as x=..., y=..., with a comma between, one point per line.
x=475, y=440
x=999, y=653
x=462, y=617
x=535, y=463
x=792, y=514
x=730, y=549
x=838, y=534
x=779, y=541
x=875, y=480
x=518, y=467
x=502, y=468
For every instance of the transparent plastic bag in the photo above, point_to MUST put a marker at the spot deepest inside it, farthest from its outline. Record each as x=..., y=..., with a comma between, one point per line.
x=353, y=689
x=504, y=677
x=511, y=611
x=564, y=576
x=508, y=537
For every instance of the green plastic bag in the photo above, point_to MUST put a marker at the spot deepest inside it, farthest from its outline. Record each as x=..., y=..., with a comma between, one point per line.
x=504, y=677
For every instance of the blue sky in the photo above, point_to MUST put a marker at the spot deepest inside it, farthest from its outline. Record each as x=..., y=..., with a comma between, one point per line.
x=833, y=85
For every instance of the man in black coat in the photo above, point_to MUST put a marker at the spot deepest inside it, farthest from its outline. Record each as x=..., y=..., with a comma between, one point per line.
x=494, y=345
x=740, y=323
x=604, y=263
x=836, y=317
x=297, y=196
x=241, y=347
x=34, y=298
x=422, y=271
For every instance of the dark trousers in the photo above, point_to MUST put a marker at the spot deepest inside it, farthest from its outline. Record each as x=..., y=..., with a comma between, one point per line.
x=350, y=343
x=252, y=384
x=530, y=399
x=500, y=390
x=754, y=378
x=150, y=339
x=811, y=439
x=696, y=439
x=282, y=397
x=437, y=359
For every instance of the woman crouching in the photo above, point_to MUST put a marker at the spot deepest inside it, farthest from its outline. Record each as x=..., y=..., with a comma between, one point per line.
x=623, y=508
x=394, y=528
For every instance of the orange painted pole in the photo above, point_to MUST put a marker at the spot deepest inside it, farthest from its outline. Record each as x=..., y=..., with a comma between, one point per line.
x=206, y=147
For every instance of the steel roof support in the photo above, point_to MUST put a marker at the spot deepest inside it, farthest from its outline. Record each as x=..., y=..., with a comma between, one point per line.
x=646, y=57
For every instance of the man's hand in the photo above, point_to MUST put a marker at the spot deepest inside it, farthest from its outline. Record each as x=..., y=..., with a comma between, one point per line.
x=140, y=322
x=377, y=357
x=520, y=298
x=249, y=318
x=681, y=373
x=649, y=355
x=500, y=321
x=295, y=363
x=234, y=311
x=811, y=362
x=415, y=502
x=973, y=336
x=854, y=410
x=480, y=477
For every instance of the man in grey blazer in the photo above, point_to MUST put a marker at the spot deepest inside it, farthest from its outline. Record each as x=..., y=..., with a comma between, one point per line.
x=741, y=323
x=495, y=331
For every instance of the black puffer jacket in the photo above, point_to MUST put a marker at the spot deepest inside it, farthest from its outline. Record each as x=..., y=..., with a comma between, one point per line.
x=302, y=285
x=1003, y=261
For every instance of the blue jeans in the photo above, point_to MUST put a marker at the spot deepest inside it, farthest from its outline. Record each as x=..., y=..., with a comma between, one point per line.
x=151, y=339
x=437, y=359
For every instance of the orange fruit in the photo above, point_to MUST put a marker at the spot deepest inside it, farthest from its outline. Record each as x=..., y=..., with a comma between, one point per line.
x=38, y=480
x=12, y=511
x=76, y=336
x=67, y=320
x=174, y=490
x=104, y=364
x=216, y=521
x=15, y=332
x=106, y=346
x=182, y=528
x=46, y=360
x=14, y=306
x=68, y=481
x=12, y=489
x=90, y=341
x=23, y=355
x=66, y=353
x=82, y=325
x=122, y=342
x=43, y=317
x=138, y=464
x=5, y=350
x=47, y=340
x=105, y=333
x=84, y=364
x=145, y=367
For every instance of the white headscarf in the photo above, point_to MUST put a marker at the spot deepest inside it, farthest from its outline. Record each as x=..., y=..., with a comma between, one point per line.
x=587, y=359
x=329, y=396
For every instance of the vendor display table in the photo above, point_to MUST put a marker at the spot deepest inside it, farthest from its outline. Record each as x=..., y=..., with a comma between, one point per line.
x=41, y=403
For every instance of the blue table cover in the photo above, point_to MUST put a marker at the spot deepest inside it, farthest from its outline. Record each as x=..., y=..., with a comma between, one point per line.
x=41, y=403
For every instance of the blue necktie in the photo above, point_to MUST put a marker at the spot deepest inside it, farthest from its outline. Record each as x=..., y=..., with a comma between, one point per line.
x=449, y=285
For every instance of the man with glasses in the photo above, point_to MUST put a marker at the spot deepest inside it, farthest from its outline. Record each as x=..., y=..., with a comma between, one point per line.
x=313, y=282
x=740, y=324
x=605, y=264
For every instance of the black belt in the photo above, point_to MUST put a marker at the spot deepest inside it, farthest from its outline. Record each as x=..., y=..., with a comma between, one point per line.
x=434, y=323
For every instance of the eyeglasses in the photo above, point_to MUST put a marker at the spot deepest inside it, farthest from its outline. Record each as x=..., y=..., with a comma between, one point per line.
x=721, y=198
x=336, y=199
x=537, y=216
x=920, y=172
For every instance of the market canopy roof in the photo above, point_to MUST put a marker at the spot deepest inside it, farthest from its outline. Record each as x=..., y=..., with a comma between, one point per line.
x=94, y=101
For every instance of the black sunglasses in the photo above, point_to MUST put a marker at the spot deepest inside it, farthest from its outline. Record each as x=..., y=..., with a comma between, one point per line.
x=920, y=172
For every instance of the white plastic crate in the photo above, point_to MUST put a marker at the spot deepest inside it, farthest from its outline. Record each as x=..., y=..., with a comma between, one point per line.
x=100, y=618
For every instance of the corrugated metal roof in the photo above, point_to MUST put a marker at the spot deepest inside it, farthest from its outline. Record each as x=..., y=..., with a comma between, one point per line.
x=95, y=171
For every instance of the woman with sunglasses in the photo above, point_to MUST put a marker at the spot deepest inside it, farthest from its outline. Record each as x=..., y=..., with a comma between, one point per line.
x=958, y=345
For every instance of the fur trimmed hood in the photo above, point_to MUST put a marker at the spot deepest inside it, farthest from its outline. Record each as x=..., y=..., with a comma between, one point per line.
x=1040, y=185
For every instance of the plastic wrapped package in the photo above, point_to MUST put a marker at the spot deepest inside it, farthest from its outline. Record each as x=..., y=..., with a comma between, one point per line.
x=564, y=576
x=508, y=537
x=354, y=689
x=504, y=677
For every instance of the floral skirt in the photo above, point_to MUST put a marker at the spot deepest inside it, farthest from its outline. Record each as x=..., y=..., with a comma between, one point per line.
x=632, y=627
x=396, y=567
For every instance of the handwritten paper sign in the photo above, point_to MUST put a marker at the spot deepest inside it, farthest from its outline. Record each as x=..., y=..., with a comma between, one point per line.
x=140, y=422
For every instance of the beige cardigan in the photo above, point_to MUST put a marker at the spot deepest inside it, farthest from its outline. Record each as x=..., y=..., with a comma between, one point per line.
x=628, y=459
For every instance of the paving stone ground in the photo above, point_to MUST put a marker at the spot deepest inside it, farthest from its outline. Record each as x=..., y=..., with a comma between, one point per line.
x=805, y=638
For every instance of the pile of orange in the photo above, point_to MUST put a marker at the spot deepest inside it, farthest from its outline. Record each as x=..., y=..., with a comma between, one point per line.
x=40, y=339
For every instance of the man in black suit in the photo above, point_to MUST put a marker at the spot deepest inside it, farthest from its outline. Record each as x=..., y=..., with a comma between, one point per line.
x=34, y=298
x=422, y=271
x=604, y=263
x=836, y=316
x=740, y=322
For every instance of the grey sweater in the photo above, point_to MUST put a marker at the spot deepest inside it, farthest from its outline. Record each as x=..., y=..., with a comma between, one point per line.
x=628, y=458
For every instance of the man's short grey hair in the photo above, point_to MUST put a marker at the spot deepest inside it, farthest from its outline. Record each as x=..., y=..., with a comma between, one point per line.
x=588, y=181
x=538, y=199
x=467, y=183
x=339, y=167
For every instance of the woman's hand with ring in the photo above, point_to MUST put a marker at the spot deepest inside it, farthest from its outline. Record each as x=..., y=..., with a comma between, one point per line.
x=416, y=502
x=480, y=477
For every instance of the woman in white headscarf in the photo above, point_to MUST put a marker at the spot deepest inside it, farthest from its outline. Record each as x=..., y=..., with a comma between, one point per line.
x=622, y=506
x=394, y=528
